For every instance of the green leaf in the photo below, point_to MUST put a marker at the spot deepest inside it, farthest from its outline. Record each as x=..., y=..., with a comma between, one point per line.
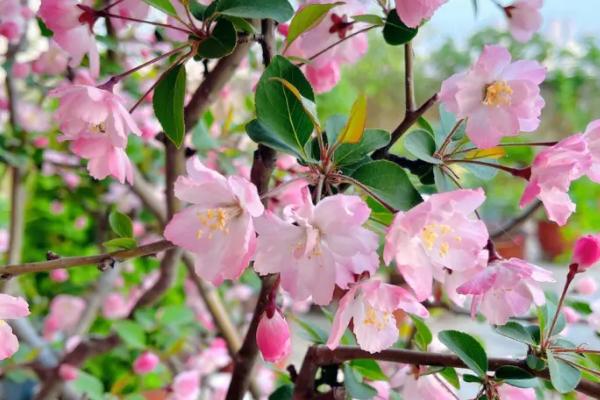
x=168, y=102
x=371, y=140
x=369, y=369
x=307, y=18
x=278, y=109
x=120, y=224
x=355, y=388
x=284, y=392
x=535, y=363
x=450, y=375
x=469, y=378
x=442, y=182
x=564, y=377
x=515, y=376
x=175, y=315
x=395, y=32
x=163, y=5
x=516, y=331
x=310, y=108
x=369, y=19
x=314, y=333
x=423, y=336
x=132, y=334
x=279, y=10
x=241, y=24
x=389, y=183
x=221, y=42
x=44, y=30
x=467, y=349
x=88, y=386
x=120, y=243
x=546, y=315
x=262, y=134
x=420, y=144
x=379, y=213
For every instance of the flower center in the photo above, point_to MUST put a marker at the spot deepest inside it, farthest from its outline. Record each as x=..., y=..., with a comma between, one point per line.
x=99, y=128
x=437, y=234
x=498, y=94
x=216, y=220
x=376, y=319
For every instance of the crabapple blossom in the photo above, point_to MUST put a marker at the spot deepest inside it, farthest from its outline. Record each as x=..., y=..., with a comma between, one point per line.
x=436, y=234
x=72, y=23
x=413, y=12
x=371, y=306
x=508, y=392
x=592, y=138
x=212, y=359
x=218, y=226
x=13, y=19
x=104, y=158
x=498, y=98
x=505, y=289
x=65, y=311
x=68, y=372
x=552, y=172
x=53, y=61
x=129, y=9
x=586, y=251
x=317, y=247
x=524, y=18
x=586, y=286
x=10, y=308
x=273, y=336
x=59, y=275
x=571, y=316
x=418, y=386
x=186, y=386
x=146, y=362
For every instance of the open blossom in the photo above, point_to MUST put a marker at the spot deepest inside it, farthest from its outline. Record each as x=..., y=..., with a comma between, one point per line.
x=436, y=234
x=317, y=247
x=587, y=251
x=72, y=28
x=498, y=98
x=413, y=12
x=186, y=386
x=51, y=62
x=65, y=312
x=508, y=392
x=552, y=172
x=273, y=336
x=13, y=19
x=218, y=226
x=10, y=308
x=505, y=289
x=97, y=123
x=524, y=18
x=371, y=306
x=146, y=362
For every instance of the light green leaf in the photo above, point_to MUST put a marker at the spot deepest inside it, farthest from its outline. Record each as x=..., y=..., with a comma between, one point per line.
x=307, y=18
x=369, y=369
x=120, y=243
x=163, y=5
x=357, y=389
x=132, y=334
x=120, y=224
x=221, y=42
x=423, y=336
x=421, y=144
x=564, y=377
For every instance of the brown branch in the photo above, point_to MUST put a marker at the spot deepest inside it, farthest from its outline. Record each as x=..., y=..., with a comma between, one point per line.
x=518, y=221
x=317, y=356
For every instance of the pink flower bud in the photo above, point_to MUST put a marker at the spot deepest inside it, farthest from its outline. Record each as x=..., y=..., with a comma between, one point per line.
x=145, y=363
x=68, y=372
x=586, y=286
x=571, y=316
x=273, y=337
x=41, y=142
x=59, y=275
x=586, y=252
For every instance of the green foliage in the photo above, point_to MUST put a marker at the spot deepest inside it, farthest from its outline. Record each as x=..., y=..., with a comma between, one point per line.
x=515, y=376
x=395, y=32
x=163, y=5
x=564, y=377
x=279, y=10
x=421, y=144
x=307, y=18
x=516, y=331
x=423, y=336
x=221, y=42
x=121, y=224
x=467, y=349
x=355, y=388
x=168, y=102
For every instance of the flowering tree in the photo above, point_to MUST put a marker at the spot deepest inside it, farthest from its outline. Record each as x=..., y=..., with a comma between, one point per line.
x=378, y=228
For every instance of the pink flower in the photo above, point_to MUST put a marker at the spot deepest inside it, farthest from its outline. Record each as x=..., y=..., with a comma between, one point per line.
x=212, y=359
x=186, y=386
x=115, y=306
x=552, y=172
x=592, y=138
x=13, y=19
x=146, y=362
x=10, y=308
x=436, y=234
x=413, y=12
x=59, y=275
x=424, y=387
x=67, y=372
x=524, y=18
x=194, y=301
x=104, y=157
x=586, y=286
x=571, y=316
x=72, y=27
x=371, y=306
x=587, y=251
x=506, y=288
x=273, y=337
x=65, y=312
x=21, y=70
x=508, y=392
x=218, y=226
x=325, y=78
x=129, y=9
x=317, y=247
x=51, y=62
x=498, y=98
x=4, y=239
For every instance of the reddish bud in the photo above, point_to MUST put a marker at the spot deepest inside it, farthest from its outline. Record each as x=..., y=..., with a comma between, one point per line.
x=273, y=337
x=586, y=252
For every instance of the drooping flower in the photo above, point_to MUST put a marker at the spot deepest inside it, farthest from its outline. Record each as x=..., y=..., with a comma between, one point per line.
x=371, y=306
x=436, y=234
x=586, y=251
x=273, y=336
x=524, y=18
x=65, y=312
x=218, y=226
x=10, y=308
x=505, y=289
x=146, y=362
x=552, y=172
x=498, y=98
x=317, y=247
x=186, y=386
x=71, y=23
x=104, y=158
x=413, y=12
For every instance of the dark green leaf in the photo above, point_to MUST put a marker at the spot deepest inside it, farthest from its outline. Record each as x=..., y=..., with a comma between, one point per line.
x=450, y=375
x=516, y=331
x=420, y=144
x=371, y=140
x=355, y=388
x=278, y=109
x=442, y=182
x=423, y=336
x=581, y=307
x=284, y=392
x=163, y=5
x=369, y=369
x=44, y=30
x=261, y=134
x=168, y=102
x=132, y=334
x=515, y=376
x=395, y=32
x=120, y=224
x=563, y=376
x=389, y=183
x=535, y=363
x=221, y=42
x=467, y=349
x=279, y=10
x=469, y=378
x=120, y=243
x=241, y=24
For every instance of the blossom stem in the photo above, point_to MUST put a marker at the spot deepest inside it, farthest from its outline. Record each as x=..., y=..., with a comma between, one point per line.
x=524, y=173
x=570, y=276
x=331, y=46
x=452, y=132
x=143, y=21
x=120, y=76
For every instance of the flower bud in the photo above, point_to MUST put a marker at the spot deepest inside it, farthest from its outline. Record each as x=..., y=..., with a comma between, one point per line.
x=145, y=363
x=273, y=337
x=586, y=252
x=586, y=286
x=67, y=372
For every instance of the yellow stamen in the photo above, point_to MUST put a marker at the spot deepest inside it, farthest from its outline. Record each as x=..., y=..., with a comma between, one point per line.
x=216, y=220
x=100, y=128
x=434, y=234
x=498, y=94
x=371, y=318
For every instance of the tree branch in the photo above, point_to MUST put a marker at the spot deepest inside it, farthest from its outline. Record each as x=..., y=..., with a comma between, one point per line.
x=518, y=221
x=317, y=356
